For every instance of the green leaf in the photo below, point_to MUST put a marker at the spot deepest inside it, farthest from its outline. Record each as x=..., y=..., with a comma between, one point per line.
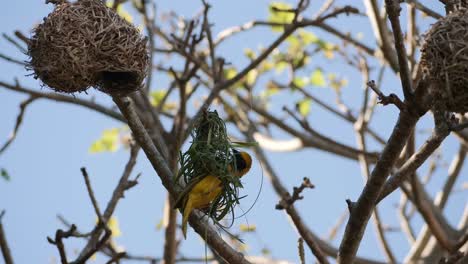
x=249, y=53
x=266, y=66
x=337, y=83
x=157, y=96
x=307, y=37
x=109, y=141
x=303, y=107
x=5, y=174
x=280, y=66
x=251, y=77
x=317, y=78
x=266, y=252
x=280, y=17
x=230, y=73
x=300, y=82
x=293, y=41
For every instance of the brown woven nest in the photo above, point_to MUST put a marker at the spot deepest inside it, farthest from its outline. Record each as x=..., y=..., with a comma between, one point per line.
x=84, y=44
x=445, y=60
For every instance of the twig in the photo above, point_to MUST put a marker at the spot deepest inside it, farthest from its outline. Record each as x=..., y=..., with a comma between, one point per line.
x=91, y=195
x=405, y=220
x=15, y=43
x=289, y=200
x=94, y=243
x=381, y=33
x=59, y=236
x=390, y=99
x=66, y=99
x=12, y=60
x=454, y=172
x=300, y=248
x=6, y=252
x=339, y=223
x=19, y=121
x=149, y=23
x=393, y=10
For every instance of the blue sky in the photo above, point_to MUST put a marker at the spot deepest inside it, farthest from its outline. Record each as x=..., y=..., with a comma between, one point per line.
x=53, y=144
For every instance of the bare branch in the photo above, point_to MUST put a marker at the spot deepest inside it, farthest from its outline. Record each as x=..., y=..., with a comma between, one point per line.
x=59, y=236
x=289, y=200
x=63, y=98
x=95, y=243
x=19, y=121
x=6, y=252
x=393, y=10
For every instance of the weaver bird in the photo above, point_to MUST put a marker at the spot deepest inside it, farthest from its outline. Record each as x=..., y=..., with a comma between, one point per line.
x=210, y=187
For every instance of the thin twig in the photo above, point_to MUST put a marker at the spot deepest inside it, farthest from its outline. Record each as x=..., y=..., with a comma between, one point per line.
x=59, y=236
x=15, y=43
x=300, y=248
x=63, y=98
x=6, y=252
x=289, y=200
x=12, y=60
x=19, y=121
x=393, y=10
x=91, y=195
x=94, y=242
x=390, y=99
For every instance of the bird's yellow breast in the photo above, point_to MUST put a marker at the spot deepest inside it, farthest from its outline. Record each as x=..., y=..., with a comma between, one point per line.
x=205, y=191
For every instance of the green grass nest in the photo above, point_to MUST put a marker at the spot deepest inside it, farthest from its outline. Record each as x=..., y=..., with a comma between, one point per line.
x=210, y=154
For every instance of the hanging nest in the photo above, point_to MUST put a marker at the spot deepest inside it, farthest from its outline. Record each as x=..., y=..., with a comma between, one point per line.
x=84, y=44
x=210, y=153
x=444, y=60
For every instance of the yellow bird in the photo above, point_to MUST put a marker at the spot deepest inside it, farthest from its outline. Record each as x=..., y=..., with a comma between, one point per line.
x=210, y=187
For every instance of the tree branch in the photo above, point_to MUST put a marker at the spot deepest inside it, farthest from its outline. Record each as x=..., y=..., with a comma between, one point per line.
x=6, y=252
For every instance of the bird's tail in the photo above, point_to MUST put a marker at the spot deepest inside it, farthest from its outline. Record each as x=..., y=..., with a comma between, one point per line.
x=187, y=210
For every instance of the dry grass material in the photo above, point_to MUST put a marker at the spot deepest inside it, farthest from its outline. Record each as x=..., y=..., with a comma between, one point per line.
x=84, y=44
x=445, y=60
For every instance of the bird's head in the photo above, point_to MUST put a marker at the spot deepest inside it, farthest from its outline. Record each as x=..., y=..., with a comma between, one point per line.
x=242, y=162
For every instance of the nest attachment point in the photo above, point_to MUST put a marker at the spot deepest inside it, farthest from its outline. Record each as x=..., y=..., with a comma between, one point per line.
x=444, y=60
x=85, y=44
